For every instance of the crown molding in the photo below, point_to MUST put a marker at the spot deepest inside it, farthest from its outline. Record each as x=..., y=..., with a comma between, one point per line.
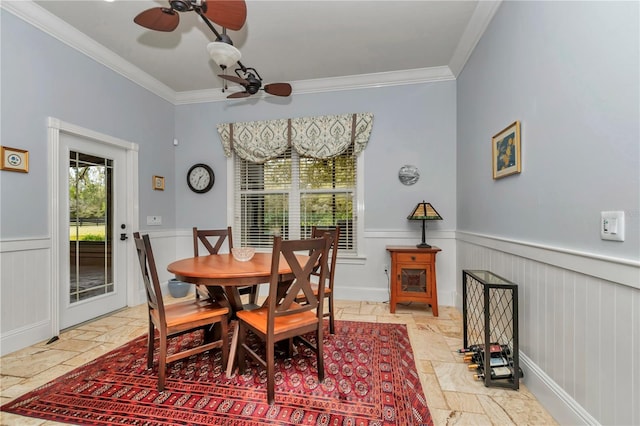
x=323, y=85
x=38, y=17
x=50, y=24
x=480, y=20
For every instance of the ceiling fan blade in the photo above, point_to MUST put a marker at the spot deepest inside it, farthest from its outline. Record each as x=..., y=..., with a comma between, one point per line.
x=278, y=89
x=237, y=80
x=158, y=18
x=239, y=95
x=230, y=14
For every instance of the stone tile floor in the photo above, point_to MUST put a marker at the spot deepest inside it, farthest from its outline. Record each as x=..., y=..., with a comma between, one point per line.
x=453, y=396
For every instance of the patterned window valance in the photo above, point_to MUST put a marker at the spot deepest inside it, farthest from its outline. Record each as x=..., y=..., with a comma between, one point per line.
x=318, y=137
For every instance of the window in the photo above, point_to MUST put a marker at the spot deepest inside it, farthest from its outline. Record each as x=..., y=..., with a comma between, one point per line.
x=289, y=194
x=90, y=230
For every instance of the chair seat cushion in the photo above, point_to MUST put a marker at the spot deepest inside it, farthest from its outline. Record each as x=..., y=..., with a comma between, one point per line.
x=258, y=320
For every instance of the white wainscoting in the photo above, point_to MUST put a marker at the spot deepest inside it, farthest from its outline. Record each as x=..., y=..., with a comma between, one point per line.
x=25, y=293
x=26, y=303
x=579, y=313
x=163, y=244
x=579, y=318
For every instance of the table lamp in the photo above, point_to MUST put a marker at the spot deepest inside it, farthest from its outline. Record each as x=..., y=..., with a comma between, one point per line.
x=424, y=211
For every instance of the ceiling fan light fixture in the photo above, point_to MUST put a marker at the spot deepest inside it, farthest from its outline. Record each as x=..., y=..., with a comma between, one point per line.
x=223, y=54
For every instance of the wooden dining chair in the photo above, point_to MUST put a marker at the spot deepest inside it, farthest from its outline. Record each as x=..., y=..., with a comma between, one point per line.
x=212, y=240
x=281, y=317
x=333, y=233
x=176, y=318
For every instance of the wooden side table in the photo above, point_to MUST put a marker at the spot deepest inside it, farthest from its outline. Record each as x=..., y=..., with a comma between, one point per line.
x=413, y=276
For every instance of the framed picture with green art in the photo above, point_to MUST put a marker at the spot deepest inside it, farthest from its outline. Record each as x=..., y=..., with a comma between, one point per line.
x=506, y=152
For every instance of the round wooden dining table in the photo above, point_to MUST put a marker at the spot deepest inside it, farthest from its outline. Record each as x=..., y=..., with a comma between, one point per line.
x=222, y=274
x=224, y=271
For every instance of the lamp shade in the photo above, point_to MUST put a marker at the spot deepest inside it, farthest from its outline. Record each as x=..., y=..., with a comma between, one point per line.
x=424, y=211
x=223, y=53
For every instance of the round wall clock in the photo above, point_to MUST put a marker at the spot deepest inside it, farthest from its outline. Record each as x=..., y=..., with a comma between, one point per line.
x=408, y=175
x=200, y=178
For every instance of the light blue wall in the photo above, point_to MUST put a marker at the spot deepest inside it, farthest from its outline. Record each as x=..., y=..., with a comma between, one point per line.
x=413, y=124
x=569, y=72
x=42, y=77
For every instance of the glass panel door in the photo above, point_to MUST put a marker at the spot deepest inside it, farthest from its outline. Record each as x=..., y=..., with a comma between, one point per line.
x=93, y=211
x=90, y=218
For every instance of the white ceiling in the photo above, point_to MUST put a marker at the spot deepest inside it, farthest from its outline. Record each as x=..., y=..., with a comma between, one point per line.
x=314, y=45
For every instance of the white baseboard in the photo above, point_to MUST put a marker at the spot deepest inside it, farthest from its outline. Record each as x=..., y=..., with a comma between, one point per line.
x=565, y=409
x=359, y=293
x=371, y=294
x=20, y=338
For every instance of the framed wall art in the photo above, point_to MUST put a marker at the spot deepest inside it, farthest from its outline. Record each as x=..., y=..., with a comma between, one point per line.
x=14, y=159
x=506, y=151
x=158, y=183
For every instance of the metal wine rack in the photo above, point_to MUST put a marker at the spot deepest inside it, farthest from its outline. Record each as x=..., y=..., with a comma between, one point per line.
x=490, y=315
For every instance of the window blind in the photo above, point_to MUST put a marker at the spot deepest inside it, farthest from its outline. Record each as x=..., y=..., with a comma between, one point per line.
x=289, y=194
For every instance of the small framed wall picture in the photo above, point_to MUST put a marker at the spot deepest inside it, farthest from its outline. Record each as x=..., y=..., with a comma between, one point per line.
x=158, y=183
x=506, y=151
x=14, y=159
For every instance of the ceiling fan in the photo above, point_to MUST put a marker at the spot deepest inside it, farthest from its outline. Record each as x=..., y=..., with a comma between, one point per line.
x=252, y=83
x=230, y=14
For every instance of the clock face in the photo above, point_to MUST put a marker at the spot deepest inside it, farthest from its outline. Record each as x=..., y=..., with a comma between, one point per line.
x=200, y=178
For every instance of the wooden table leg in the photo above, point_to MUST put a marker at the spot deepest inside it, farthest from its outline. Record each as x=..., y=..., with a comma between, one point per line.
x=230, y=296
x=233, y=297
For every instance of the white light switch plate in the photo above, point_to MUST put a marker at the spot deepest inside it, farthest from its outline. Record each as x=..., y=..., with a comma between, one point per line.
x=612, y=225
x=154, y=220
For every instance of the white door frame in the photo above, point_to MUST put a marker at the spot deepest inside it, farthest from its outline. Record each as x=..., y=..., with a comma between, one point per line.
x=54, y=127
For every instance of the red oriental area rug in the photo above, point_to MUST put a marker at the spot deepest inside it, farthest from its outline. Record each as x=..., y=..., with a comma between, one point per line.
x=370, y=379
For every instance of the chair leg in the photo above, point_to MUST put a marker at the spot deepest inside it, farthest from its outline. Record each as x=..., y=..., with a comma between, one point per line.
x=290, y=347
x=253, y=296
x=242, y=360
x=271, y=381
x=225, y=340
x=332, y=327
x=162, y=364
x=320, y=354
x=150, y=340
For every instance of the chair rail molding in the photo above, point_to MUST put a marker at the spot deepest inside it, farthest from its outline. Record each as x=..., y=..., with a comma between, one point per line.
x=618, y=270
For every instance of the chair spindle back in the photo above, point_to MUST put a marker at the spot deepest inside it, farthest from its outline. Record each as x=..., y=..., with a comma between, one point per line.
x=282, y=295
x=203, y=235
